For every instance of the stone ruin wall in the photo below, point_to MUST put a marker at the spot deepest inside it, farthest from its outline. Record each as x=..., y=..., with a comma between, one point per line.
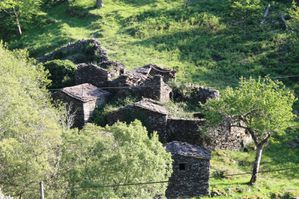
x=191, y=131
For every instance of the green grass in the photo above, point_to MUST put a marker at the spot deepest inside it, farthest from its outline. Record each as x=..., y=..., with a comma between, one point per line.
x=276, y=156
x=209, y=42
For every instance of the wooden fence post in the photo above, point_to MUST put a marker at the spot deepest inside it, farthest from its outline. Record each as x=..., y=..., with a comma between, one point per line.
x=41, y=187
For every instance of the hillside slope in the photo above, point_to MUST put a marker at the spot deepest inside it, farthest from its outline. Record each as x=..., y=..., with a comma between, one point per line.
x=209, y=42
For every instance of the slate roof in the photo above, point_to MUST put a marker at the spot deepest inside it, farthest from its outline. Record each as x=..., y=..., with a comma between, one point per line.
x=151, y=105
x=185, y=149
x=85, y=92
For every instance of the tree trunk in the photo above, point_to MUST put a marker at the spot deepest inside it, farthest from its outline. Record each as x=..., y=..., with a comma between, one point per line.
x=99, y=3
x=256, y=164
x=17, y=21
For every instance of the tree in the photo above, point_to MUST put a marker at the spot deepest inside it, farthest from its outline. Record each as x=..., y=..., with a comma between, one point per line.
x=29, y=130
x=20, y=10
x=262, y=107
x=113, y=155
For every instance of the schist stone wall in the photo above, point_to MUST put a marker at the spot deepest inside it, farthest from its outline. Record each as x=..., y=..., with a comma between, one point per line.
x=191, y=168
x=81, y=100
x=227, y=137
x=98, y=75
x=152, y=115
x=156, y=118
x=185, y=130
x=75, y=107
x=155, y=88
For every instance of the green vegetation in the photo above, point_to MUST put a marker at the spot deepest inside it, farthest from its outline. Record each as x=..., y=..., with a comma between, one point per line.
x=61, y=72
x=29, y=128
x=209, y=42
x=118, y=154
x=34, y=147
x=262, y=107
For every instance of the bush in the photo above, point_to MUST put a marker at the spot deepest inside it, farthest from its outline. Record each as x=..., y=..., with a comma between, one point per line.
x=61, y=72
x=118, y=154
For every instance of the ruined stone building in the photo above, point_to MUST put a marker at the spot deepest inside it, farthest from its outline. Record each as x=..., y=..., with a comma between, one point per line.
x=81, y=100
x=155, y=88
x=82, y=51
x=98, y=75
x=146, y=82
x=155, y=117
x=152, y=70
x=191, y=168
x=151, y=113
x=185, y=130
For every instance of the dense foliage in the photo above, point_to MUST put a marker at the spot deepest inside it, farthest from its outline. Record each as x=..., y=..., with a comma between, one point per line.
x=61, y=72
x=120, y=154
x=29, y=130
x=262, y=107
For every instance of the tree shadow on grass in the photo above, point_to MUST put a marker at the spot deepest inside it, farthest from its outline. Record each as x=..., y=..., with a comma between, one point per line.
x=49, y=33
x=139, y=3
x=282, y=156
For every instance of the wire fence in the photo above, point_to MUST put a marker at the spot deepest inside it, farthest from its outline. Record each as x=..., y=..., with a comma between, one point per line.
x=167, y=181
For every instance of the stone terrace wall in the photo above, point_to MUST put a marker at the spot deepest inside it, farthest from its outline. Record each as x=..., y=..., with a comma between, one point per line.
x=192, y=182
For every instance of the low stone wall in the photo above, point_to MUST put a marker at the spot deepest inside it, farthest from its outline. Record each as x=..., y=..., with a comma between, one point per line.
x=225, y=137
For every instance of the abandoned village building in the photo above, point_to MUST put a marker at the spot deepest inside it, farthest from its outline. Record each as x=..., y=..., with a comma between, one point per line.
x=155, y=117
x=99, y=79
x=98, y=75
x=81, y=101
x=191, y=168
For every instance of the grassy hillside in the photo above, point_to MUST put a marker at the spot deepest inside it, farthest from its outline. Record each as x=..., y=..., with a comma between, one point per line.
x=210, y=42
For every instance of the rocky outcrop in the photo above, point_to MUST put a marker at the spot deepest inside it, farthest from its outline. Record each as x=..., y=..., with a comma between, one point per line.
x=194, y=93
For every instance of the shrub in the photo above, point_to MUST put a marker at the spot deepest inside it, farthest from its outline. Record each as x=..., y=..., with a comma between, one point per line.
x=61, y=72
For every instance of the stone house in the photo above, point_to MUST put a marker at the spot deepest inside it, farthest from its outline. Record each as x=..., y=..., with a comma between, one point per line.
x=81, y=101
x=98, y=75
x=138, y=84
x=152, y=70
x=155, y=88
x=155, y=117
x=151, y=113
x=191, y=168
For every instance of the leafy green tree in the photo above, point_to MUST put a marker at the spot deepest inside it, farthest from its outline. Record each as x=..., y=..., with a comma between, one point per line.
x=262, y=107
x=20, y=10
x=113, y=155
x=29, y=130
